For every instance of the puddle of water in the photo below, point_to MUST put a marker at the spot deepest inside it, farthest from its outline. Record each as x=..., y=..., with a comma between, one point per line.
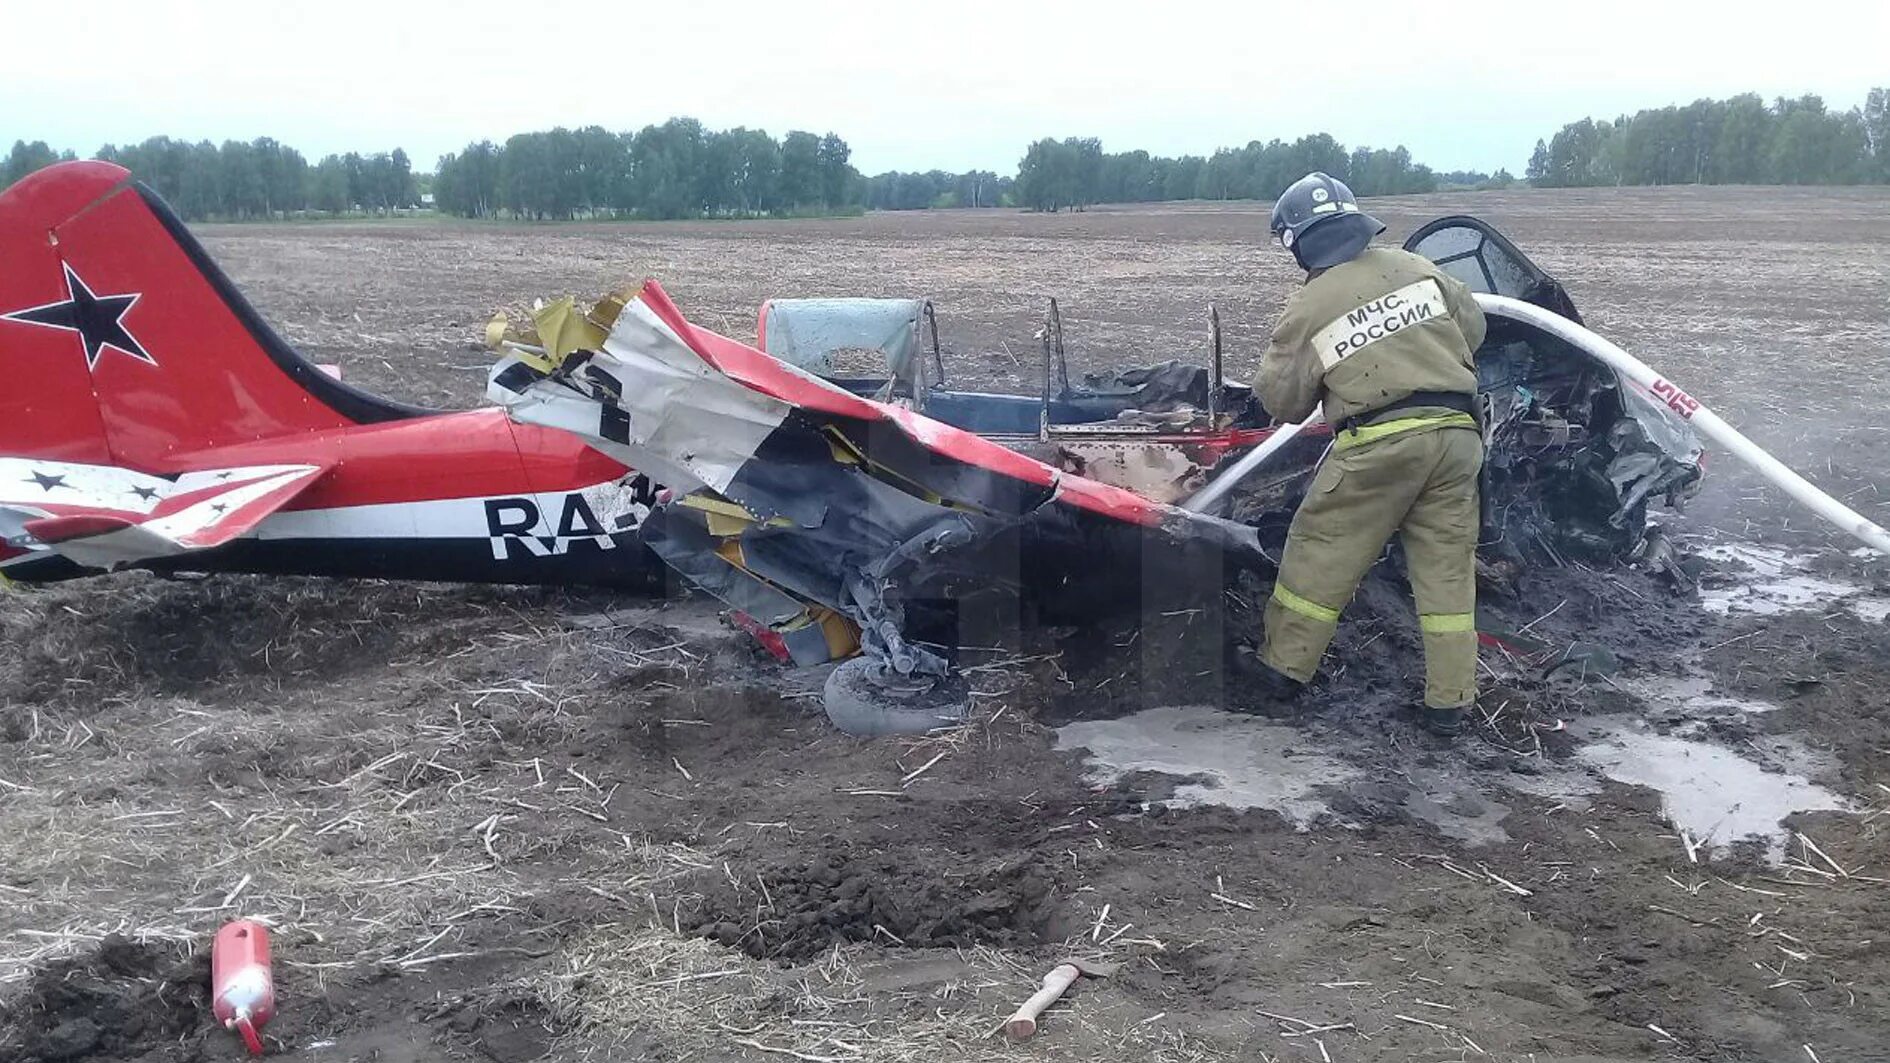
x=1691, y=696
x=1871, y=609
x=1765, y=560
x=1711, y=792
x=1783, y=586
x=1230, y=760
x=1786, y=594
x=1238, y=761
x=1715, y=794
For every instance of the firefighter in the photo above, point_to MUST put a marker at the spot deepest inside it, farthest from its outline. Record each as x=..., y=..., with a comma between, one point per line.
x=1386, y=342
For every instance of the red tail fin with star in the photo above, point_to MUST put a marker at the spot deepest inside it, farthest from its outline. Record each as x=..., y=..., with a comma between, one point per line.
x=122, y=344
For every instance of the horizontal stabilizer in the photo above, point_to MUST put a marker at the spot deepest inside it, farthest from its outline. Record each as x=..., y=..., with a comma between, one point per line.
x=55, y=530
x=101, y=516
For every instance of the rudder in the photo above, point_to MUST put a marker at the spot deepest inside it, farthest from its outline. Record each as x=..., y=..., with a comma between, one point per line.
x=126, y=345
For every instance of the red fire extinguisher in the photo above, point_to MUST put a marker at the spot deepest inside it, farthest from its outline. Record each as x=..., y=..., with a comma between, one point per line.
x=243, y=992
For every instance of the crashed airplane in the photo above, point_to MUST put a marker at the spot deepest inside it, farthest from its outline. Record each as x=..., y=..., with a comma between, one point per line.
x=843, y=517
x=168, y=427
x=846, y=513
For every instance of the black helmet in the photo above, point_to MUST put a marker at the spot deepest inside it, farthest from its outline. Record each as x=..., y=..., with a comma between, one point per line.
x=1317, y=218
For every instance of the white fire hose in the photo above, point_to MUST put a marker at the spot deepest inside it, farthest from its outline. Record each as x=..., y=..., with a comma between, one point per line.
x=1218, y=487
x=1708, y=423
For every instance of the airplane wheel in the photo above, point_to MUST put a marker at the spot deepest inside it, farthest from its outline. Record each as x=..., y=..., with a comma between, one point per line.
x=863, y=701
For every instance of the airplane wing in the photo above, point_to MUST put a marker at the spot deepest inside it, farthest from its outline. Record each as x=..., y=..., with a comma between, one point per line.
x=103, y=516
x=793, y=500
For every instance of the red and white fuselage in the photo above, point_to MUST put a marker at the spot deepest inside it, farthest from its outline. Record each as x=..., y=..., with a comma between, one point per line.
x=153, y=420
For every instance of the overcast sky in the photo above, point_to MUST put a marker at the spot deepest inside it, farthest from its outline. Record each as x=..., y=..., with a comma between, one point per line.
x=951, y=85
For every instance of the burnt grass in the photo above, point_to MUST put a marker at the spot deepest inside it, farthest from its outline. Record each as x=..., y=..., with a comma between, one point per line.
x=231, y=632
x=839, y=897
x=512, y=824
x=110, y=1003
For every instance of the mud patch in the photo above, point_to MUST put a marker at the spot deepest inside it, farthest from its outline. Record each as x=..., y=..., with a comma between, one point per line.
x=803, y=909
x=1577, y=971
x=513, y=1026
x=116, y=1002
x=1451, y=801
x=225, y=634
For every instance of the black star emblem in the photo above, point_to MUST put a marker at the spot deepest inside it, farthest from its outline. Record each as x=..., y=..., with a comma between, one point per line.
x=144, y=492
x=47, y=483
x=220, y=508
x=99, y=321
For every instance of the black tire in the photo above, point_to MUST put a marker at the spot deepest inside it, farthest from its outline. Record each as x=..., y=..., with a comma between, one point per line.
x=861, y=703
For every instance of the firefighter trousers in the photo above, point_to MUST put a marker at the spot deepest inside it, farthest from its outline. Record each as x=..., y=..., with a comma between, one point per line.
x=1417, y=478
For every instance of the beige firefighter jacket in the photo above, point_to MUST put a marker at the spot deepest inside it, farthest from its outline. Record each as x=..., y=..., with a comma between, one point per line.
x=1368, y=333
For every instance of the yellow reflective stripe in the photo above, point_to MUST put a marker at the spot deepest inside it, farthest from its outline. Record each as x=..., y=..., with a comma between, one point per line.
x=1303, y=607
x=1446, y=623
x=1354, y=437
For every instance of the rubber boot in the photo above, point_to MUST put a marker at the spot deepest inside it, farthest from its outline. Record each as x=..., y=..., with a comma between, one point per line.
x=1445, y=723
x=1254, y=688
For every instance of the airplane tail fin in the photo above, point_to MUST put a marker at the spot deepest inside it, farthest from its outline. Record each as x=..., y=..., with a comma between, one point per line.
x=122, y=343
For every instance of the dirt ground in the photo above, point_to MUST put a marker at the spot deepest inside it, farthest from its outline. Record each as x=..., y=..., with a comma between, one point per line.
x=513, y=824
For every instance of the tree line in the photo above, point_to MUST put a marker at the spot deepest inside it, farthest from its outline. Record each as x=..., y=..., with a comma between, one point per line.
x=675, y=170
x=242, y=180
x=25, y=158
x=680, y=169
x=938, y=190
x=1076, y=172
x=1741, y=140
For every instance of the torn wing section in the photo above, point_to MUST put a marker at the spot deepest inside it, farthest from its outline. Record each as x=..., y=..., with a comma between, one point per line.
x=102, y=516
x=835, y=521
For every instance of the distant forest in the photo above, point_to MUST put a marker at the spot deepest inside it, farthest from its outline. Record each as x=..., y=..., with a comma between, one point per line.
x=680, y=169
x=1742, y=140
x=1076, y=173
x=675, y=170
x=254, y=179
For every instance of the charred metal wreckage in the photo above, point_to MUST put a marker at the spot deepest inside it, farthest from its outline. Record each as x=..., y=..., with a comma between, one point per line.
x=836, y=522
x=875, y=515
x=846, y=514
